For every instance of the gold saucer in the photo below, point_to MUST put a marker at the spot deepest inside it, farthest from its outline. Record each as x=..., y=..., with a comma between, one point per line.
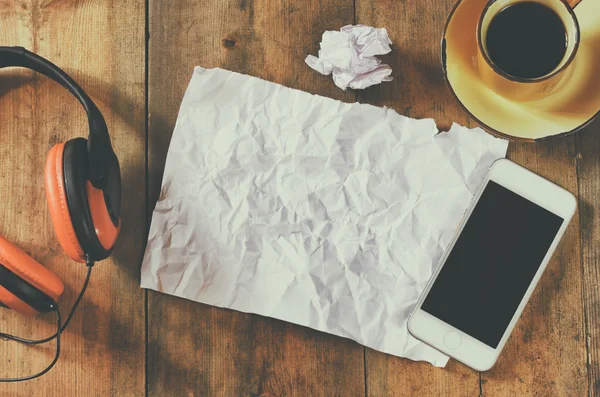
x=572, y=106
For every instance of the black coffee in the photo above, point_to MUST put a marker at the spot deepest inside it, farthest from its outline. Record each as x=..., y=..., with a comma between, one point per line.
x=527, y=40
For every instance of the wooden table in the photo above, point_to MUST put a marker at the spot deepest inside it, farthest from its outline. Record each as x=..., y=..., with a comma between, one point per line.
x=135, y=59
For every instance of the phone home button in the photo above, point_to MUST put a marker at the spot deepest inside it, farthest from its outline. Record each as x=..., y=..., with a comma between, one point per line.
x=452, y=340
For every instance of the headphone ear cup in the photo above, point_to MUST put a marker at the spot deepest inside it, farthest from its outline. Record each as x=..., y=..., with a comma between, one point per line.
x=87, y=207
x=56, y=195
x=79, y=212
x=33, y=282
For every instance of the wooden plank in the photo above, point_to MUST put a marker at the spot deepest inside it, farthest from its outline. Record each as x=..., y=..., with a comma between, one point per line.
x=419, y=91
x=103, y=48
x=588, y=167
x=546, y=354
x=199, y=350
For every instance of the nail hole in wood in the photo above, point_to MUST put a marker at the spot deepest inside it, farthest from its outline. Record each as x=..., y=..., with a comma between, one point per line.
x=229, y=43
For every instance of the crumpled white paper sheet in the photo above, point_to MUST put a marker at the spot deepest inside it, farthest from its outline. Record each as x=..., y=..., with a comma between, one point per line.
x=313, y=211
x=350, y=56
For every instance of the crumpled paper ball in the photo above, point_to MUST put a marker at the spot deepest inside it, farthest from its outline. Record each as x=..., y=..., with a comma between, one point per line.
x=349, y=55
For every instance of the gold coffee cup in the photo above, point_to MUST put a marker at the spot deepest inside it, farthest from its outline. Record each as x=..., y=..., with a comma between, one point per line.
x=566, y=107
x=528, y=88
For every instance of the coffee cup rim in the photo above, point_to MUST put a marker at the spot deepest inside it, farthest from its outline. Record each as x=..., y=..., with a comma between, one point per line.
x=510, y=77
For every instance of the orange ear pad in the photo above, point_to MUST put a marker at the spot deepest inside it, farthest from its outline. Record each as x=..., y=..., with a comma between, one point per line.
x=58, y=205
x=29, y=270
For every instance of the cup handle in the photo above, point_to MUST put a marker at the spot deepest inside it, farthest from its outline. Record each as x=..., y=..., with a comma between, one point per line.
x=573, y=3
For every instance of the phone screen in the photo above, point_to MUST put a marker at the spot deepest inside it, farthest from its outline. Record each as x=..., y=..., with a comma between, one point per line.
x=492, y=264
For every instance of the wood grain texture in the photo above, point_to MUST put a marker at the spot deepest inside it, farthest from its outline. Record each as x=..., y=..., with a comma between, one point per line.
x=196, y=350
x=418, y=90
x=102, y=48
x=546, y=354
x=588, y=170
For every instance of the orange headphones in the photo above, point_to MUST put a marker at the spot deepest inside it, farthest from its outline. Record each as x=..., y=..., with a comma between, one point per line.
x=83, y=189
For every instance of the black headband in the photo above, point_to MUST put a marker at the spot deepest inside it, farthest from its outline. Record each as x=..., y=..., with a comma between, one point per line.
x=99, y=145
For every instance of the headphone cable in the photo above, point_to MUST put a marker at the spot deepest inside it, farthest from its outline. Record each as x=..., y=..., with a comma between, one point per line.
x=56, y=356
x=90, y=265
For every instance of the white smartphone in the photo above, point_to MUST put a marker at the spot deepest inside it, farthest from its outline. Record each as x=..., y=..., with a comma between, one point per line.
x=491, y=267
